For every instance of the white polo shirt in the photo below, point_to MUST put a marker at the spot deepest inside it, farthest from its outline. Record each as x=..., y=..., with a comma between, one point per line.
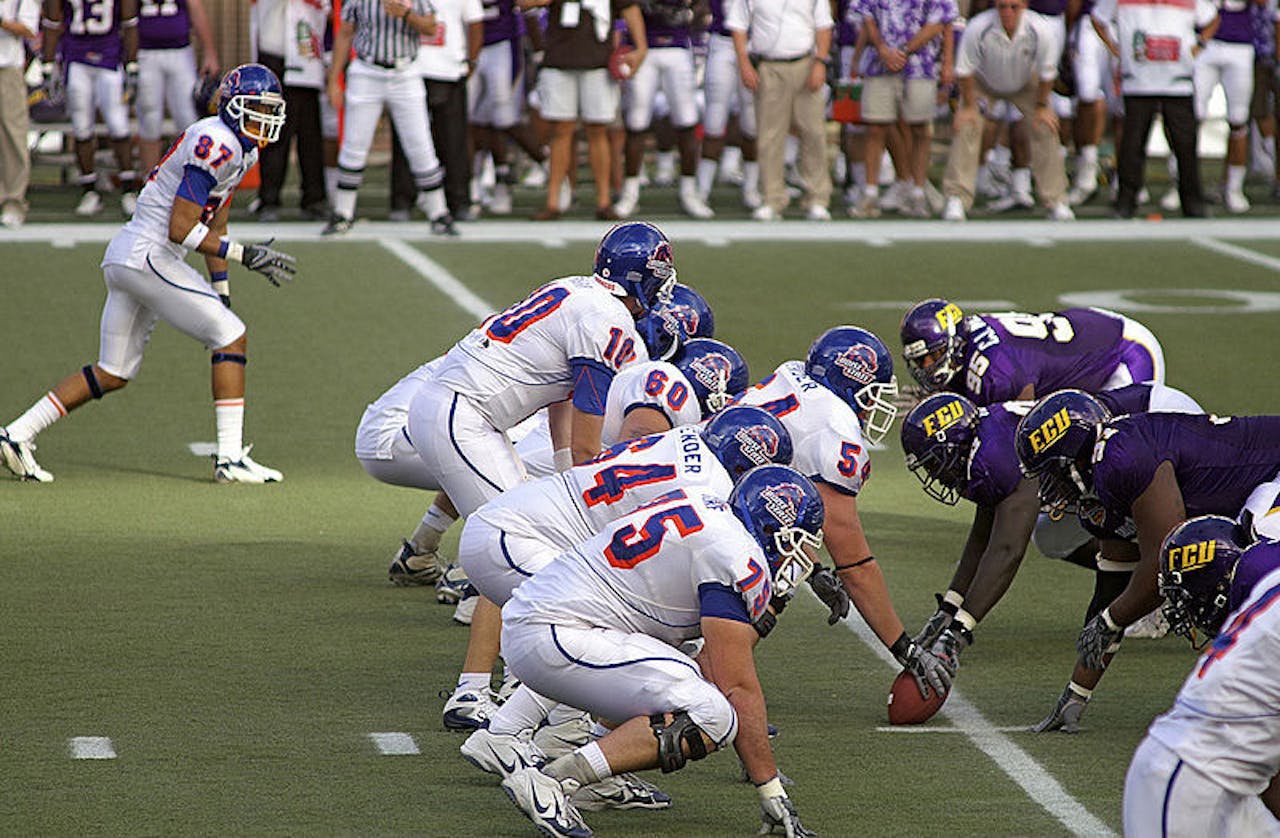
x=1008, y=64
x=443, y=56
x=26, y=12
x=1156, y=37
x=779, y=30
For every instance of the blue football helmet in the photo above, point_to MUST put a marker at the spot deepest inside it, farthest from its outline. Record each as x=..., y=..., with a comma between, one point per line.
x=717, y=371
x=783, y=511
x=937, y=438
x=933, y=338
x=856, y=366
x=1055, y=443
x=743, y=437
x=634, y=259
x=1197, y=563
x=251, y=103
x=668, y=325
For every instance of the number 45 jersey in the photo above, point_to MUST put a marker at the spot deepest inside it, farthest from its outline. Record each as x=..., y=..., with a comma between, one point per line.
x=523, y=358
x=657, y=571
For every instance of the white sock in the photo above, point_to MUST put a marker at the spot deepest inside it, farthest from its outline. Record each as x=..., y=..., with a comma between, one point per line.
x=631, y=187
x=39, y=416
x=595, y=758
x=732, y=157
x=871, y=192
x=1235, y=178
x=474, y=682
x=344, y=203
x=331, y=182
x=1089, y=155
x=229, y=415
x=433, y=525
x=688, y=185
x=706, y=175
x=431, y=202
x=666, y=160
x=750, y=174
x=1022, y=181
x=523, y=710
x=859, y=174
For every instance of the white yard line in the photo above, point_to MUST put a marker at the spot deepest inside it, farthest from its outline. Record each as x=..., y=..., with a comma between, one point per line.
x=1244, y=254
x=92, y=747
x=1038, y=783
x=436, y=274
x=394, y=744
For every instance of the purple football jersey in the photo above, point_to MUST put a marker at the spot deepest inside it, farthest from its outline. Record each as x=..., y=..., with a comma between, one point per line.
x=92, y=34
x=1217, y=461
x=717, y=19
x=1235, y=26
x=846, y=29
x=1052, y=8
x=501, y=21
x=1004, y=352
x=1134, y=398
x=163, y=24
x=994, y=473
x=667, y=23
x=1258, y=561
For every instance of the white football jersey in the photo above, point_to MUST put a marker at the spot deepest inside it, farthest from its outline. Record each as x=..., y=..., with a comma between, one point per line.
x=1226, y=719
x=207, y=144
x=566, y=509
x=386, y=417
x=518, y=360
x=826, y=435
x=642, y=573
x=655, y=384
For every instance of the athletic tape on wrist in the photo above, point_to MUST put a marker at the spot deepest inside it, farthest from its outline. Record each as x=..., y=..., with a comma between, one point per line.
x=1080, y=691
x=771, y=788
x=220, y=283
x=965, y=619
x=954, y=598
x=562, y=458
x=1106, y=618
x=196, y=236
x=231, y=251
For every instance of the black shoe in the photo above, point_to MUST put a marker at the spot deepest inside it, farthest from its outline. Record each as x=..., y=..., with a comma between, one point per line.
x=337, y=226
x=465, y=215
x=316, y=212
x=443, y=225
x=1196, y=211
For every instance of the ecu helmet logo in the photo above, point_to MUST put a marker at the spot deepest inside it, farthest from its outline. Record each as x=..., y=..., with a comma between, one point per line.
x=758, y=442
x=858, y=363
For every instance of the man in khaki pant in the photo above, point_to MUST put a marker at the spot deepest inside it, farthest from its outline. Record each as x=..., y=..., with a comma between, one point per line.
x=19, y=20
x=784, y=62
x=1006, y=53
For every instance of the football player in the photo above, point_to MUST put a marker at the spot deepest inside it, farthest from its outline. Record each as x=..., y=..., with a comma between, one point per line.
x=1209, y=765
x=1145, y=474
x=99, y=52
x=841, y=392
x=167, y=68
x=599, y=627
x=958, y=450
x=183, y=207
x=725, y=94
x=992, y=358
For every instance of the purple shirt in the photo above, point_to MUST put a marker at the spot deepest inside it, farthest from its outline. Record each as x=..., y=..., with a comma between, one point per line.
x=898, y=22
x=92, y=34
x=1050, y=8
x=1217, y=461
x=847, y=23
x=501, y=21
x=1258, y=561
x=1262, y=20
x=1134, y=398
x=994, y=473
x=717, y=19
x=163, y=24
x=1004, y=353
x=1236, y=27
x=667, y=23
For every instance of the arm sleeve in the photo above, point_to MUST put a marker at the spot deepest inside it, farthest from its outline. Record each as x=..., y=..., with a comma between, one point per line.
x=718, y=600
x=1123, y=472
x=735, y=16
x=473, y=12
x=822, y=15
x=196, y=185
x=591, y=380
x=1050, y=52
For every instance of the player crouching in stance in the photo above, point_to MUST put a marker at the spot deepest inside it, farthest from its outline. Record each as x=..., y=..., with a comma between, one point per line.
x=1208, y=766
x=599, y=627
x=183, y=207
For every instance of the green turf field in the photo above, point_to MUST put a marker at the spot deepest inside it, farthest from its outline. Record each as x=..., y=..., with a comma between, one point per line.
x=238, y=644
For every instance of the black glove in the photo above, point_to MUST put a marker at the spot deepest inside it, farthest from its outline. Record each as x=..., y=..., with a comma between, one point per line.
x=275, y=265
x=779, y=811
x=827, y=587
x=1100, y=637
x=130, y=82
x=1066, y=715
x=934, y=626
x=930, y=671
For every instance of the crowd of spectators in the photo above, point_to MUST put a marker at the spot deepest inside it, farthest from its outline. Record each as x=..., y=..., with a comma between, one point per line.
x=483, y=92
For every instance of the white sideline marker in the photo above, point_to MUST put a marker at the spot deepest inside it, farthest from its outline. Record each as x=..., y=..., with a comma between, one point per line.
x=436, y=274
x=394, y=744
x=1244, y=254
x=1039, y=784
x=92, y=747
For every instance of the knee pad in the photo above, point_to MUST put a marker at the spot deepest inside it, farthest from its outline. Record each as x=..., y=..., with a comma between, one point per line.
x=91, y=379
x=228, y=358
x=672, y=737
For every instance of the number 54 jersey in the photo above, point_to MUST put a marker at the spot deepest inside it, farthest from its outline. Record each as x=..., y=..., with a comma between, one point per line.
x=657, y=572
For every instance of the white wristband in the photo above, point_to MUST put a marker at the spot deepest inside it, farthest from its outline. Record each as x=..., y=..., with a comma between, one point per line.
x=563, y=459
x=196, y=236
x=235, y=251
x=222, y=287
x=1106, y=618
x=773, y=788
x=956, y=599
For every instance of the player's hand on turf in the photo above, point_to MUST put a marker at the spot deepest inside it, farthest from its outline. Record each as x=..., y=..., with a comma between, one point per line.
x=827, y=587
x=778, y=815
x=1100, y=637
x=930, y=671
x=277, y=266
x=1066, y=715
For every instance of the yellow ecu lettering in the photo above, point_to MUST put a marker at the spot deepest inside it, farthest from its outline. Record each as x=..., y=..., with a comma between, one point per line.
x=1192, y=556
x=943, y=418
x=949, y=315
x=1051, y=431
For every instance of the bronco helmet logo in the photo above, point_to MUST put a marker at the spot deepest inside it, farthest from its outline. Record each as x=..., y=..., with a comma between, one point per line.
x=859, y=363
x=783, y=502
x=758, y=443
x=712, y=370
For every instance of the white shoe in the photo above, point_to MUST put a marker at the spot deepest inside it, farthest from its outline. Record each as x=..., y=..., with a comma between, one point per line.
x=817, y=212
x=731, y=175
x=243, y=470
x=545, y=801
x=409, y=567
x=20, y=460
x=1078, y=195
x=1014, y=200
x=692, y=205
x=452, y=586
x=1236, y=202
x=466, y=710
x=535, y=177
x=1061, y=212
x=765, y=212
x=500, y=202
x=1151, y=626
x=621, y=791
x=500, y=754
x=893, y=198
x=1170, y=202
x=934, y=197
x=129, y=203
x=90, y=203
x=751, y=197
x=665, y=172
x=1144, y=196
x=868, y=207
x=465, y=610
x=626, y=204
x=12, y=217
x=566, y=195
x=916, y=206
x=954, y=210
x=556, y=740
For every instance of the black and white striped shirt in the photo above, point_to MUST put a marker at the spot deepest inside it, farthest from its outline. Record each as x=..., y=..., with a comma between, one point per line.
x=381, y=39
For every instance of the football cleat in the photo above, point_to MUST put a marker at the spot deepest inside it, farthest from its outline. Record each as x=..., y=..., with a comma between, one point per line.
x=443, y=226
x=243, y=470
x=868, y=207
x=466, y=710
x=337, y=226
x=20, y=460
x=1061, y=212
x=409, y=567
x=500, y=754
x=90, y=204
x=556, y=740
x=465, y=610
x=452, y=586
x=545, y=801
x=621, y=791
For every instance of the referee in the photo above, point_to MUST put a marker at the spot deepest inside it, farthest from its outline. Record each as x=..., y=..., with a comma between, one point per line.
x=385, y=34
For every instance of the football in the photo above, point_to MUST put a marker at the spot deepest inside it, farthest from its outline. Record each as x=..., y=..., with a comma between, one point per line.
x=907, y=706
x=619, y=69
